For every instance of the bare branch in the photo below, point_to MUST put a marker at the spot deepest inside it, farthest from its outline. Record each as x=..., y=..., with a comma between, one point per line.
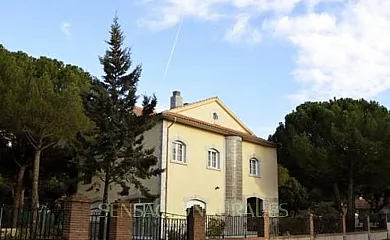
x=48, y=145
x=31, y=140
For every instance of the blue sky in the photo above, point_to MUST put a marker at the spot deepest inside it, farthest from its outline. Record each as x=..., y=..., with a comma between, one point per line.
x=260, y=57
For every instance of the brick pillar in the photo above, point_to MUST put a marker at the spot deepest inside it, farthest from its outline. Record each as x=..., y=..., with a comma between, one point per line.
x=266, y=225
x=311, y=226
x=196, y=223
x=121, y=221
x=77, y=210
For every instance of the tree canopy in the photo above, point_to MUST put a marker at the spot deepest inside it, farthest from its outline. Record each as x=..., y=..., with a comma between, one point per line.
x=41, y=103
x=338, y=148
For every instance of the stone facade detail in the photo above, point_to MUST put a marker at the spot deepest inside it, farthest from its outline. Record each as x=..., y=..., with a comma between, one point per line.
x=233, y=174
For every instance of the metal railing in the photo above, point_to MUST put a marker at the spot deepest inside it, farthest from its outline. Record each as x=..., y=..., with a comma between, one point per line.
x=99, y=226
x=158, y=227
x=18, y=223
x=327, y=225
x=281, y=226
x=223, y=226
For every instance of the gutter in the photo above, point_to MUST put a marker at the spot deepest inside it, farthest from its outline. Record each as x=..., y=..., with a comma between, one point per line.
x=166, y=164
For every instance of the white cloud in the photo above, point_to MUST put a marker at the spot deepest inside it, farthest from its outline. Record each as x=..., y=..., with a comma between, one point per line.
x=170, y=11
x=342, y=46
x=166, y=13
x=65, y=29
x=343, y=54
x=242, y=31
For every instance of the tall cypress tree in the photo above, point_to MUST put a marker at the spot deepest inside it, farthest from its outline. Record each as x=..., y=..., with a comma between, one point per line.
x=115, y=149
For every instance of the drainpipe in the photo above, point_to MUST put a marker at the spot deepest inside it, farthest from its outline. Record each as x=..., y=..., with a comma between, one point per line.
x=166, y=163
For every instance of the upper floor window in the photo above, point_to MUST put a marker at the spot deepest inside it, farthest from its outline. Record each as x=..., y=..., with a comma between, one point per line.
x=179, y=151
x=254, y=168
x=213, y=159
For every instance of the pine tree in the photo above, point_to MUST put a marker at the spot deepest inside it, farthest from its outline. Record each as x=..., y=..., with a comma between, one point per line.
x=114, y=151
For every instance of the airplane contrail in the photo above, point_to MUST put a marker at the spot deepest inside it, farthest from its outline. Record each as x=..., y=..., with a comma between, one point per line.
x=173, y=47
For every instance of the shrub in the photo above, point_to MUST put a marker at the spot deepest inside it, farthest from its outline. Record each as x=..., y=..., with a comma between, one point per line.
x=215, y=227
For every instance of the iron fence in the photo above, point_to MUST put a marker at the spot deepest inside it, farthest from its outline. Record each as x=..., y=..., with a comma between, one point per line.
x=281, y=226
x=158, y=227
x=327, y=225
x=99, y=226
x=378, y=222
x=18, y=223
x=221, y=226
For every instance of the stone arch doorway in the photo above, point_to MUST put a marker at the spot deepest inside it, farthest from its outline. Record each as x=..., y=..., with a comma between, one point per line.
x=194, y=201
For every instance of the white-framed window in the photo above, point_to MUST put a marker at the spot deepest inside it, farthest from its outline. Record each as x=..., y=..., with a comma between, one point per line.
x=178, y=151
x=143, y=209
x=254, y=167
x=214, y=160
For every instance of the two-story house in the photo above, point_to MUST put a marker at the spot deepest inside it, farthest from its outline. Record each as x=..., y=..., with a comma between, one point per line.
x=210, y=158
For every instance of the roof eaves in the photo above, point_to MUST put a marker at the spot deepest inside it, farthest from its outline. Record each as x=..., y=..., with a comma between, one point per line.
x=191, y=104
x=215, y=128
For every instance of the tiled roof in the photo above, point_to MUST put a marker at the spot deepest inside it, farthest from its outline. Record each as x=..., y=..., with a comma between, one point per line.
x=193, y=103
x=172, y=116
x=215, y=128
x=138, y=111
x=177, y=109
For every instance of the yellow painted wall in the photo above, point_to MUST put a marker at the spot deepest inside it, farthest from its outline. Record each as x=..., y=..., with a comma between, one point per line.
x=205, y=113
x=194, y=178
x=267, y=184
x=152, y=139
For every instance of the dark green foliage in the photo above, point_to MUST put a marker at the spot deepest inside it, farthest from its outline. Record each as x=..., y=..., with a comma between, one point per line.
x=293, y=225
x=40, y=105
x=215, y=227
x=59, y=175
x=337, y=149
x=292, y=195
x=114, y=150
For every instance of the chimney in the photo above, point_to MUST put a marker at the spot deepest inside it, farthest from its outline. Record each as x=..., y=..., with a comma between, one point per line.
x=176, y=100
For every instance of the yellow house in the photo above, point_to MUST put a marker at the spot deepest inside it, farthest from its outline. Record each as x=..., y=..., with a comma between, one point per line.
x=210, y=159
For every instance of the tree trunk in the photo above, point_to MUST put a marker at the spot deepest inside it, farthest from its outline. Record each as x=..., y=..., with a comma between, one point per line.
x=35, y=190
x=22, y=198
x=337, y=196
x=351, y=201
x=18, y=194
x=35, y=183
x=103, y=219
